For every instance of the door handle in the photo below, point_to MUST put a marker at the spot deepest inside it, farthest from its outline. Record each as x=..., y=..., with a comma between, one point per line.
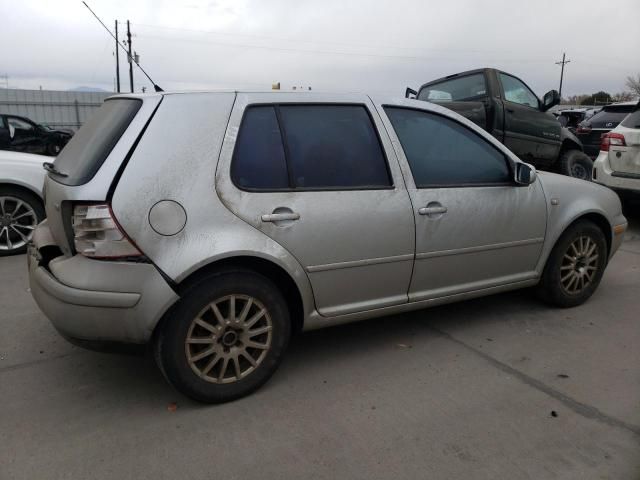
x=280, y=217
x=435, y=210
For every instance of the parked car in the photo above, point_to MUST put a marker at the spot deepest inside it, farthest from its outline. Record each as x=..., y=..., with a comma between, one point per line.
x=507, y=108
x=23, y=135
x=261, y=214
x=570, y=118
x=21, y=206
x=618, y=164
x=589, y=131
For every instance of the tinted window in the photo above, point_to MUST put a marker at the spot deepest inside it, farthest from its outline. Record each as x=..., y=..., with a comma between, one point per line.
x=456, y=89
x=517, y=92
x=19, y=123
x=632, y=121
x=443, y=152
x=259, y=160
x=89, y=148
x=333, y=146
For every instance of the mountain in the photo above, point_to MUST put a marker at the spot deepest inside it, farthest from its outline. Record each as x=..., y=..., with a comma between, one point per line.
x=88, y=89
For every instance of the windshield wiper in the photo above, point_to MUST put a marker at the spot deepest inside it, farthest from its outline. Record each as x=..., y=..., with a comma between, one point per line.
x=50, y=167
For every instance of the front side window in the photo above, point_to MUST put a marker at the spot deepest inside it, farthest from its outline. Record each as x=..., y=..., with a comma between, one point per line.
x=19, y=124
x=517, y=92
x=441, y=152
x=309, y=147
x=470, y=87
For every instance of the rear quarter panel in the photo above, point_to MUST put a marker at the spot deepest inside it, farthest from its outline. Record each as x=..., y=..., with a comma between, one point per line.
x=176, y=160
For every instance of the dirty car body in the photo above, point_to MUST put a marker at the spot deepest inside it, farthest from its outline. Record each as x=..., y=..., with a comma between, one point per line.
x=185, y=203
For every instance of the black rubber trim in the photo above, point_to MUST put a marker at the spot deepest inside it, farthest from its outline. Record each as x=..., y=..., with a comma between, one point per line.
x=635, y=176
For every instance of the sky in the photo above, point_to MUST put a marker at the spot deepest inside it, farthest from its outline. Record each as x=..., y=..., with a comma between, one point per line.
x=330, y=45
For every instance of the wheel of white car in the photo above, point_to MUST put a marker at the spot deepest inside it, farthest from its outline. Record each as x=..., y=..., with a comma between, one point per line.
x=225, y=338
x=576, y=265
x=20, y=213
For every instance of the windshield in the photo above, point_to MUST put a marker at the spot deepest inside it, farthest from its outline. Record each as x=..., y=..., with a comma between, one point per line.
x=470, y=87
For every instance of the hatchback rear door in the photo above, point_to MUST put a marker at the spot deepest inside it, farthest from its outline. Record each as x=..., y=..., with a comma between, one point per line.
x=625, y=160
x=317, y=174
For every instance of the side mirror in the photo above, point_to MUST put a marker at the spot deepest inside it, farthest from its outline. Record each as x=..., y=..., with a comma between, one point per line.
x=409, y=92
x=550, y=99
x=12, y=131
x=525, y=174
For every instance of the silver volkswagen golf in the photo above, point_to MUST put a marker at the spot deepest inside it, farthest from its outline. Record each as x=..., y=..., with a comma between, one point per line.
x=214, y=225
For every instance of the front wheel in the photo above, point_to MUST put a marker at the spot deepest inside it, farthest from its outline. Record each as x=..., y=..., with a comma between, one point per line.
x=575, y=267
x=225, y=338
x=576, y=164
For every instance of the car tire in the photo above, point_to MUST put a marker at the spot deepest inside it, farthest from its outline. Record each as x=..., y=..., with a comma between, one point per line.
x=575, y=266
x=576, y=164
x=217, y=356
x=53, y=149
x=20, y=213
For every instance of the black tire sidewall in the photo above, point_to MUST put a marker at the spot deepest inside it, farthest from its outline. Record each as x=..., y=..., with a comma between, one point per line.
x=32, y=200
x=170, y=349
x=572, y=157
x=550, y=286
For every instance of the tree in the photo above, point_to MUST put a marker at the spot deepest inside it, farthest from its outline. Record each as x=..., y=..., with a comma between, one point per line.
x=633, y=84
x=597, y=98
x=623, y=96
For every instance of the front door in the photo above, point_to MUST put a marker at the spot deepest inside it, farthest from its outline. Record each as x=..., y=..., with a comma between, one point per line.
x=533, y=135
x=323, y=181
x=475, y=228
x=25, y=136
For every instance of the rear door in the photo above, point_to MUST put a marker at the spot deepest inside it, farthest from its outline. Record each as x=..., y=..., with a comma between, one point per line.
x=317, y=173
x=533, y=135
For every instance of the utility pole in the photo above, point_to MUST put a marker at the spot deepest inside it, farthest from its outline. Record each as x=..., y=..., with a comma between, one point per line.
x=563, y=63
x=117, y=61
x=130, y=57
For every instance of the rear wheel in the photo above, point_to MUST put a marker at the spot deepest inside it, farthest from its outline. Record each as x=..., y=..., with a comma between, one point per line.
x=20, y=213
x=576, y=164
x=575, y=267
x=225, y=338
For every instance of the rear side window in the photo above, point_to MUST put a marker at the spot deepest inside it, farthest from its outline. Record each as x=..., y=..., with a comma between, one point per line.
x=461, y=89
x=633, y=120
x=309, y=147
x=89, y=148
x=259, y=161
x=441, y=152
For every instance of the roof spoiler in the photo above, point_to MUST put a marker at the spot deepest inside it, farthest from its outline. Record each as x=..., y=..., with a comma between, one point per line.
x=410, y=91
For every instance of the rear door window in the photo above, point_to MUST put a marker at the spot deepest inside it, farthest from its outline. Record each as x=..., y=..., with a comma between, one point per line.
x=309, y=147
x=89, y=148
x=609, y=117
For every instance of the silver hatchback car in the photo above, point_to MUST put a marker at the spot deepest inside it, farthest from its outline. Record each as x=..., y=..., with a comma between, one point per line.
x=214, y=225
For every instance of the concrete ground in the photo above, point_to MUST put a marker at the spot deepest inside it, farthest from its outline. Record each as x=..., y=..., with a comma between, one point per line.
x=496, y=388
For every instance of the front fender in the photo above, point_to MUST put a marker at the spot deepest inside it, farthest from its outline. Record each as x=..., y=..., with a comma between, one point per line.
x=566, y=136
x=570, y=199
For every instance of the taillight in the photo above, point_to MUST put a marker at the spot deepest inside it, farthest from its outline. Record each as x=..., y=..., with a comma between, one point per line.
x=96, y=233
x=583, y=129
x=611, y=139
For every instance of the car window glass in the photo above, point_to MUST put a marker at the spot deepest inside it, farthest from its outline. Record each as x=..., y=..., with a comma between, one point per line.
x=333, y=146
x=517, y=92
x=608, y=118
x=456, y=89
x=259, y=161
x=19, y=124
x=633, y=120
x=442, y=152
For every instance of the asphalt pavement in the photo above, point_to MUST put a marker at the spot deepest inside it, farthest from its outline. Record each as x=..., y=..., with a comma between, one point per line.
x=502, y=387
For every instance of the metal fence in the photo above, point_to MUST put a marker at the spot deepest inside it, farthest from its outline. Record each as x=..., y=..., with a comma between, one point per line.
x=58, y=109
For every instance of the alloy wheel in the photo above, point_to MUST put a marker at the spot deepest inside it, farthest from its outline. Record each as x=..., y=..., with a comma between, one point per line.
x=18, y=220
x=579, y=265
x=229, y=339
x=579, y=171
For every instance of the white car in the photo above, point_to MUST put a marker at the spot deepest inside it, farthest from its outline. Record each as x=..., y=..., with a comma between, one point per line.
x=618, y=164
x=21, y=204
